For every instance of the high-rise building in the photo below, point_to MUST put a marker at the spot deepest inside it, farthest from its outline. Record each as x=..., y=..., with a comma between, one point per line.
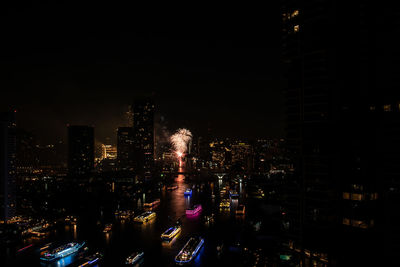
x=7, y=165
x=143, y=128
x=80, y=150
x=125, y=148
x=332, y=198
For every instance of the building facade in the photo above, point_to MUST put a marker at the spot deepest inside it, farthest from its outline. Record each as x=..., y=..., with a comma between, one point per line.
x=143, y=131
x=332, y=197
x=80, y=150
x=125, y=148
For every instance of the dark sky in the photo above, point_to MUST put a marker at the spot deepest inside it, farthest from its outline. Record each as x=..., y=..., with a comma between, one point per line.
x=84, y=64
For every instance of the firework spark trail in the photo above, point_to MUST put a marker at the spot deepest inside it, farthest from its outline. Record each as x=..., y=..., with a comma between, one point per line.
x=180, y=140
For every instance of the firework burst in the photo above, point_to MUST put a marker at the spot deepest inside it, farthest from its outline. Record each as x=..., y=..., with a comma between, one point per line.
x=180, y=141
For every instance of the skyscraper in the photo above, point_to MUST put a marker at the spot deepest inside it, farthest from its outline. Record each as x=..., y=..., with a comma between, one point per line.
x=331, y=199
x=143, y=129
x=125, y=148
x=80, y=150
x=7, y=165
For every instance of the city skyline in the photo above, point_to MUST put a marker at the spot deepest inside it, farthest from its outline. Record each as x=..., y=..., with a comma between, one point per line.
x=232, y=138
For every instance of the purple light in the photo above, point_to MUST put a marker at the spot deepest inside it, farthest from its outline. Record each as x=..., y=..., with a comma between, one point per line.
x=197, y=209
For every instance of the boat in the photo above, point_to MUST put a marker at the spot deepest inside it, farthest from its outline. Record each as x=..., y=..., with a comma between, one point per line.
x=152, y=204
x=124, y=214
x=91, y=259
x=189, y=250
x=62, y=251
x=240, y=210
x=134, y=258
x=233, y=194
x=170, y=233
x=220, y=248
x=225, y=204
x=145, y=217
x=107, y=228
x=209, y=218
x=188, y=192
x=194, y=210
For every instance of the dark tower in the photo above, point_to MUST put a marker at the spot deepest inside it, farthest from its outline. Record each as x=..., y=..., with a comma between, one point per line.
x=143, y=129
x=80, y=150
x=331, y=199
x=125, y=148
x=7, y=165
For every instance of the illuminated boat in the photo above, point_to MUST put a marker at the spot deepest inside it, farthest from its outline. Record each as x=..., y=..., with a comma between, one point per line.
x=107, y=228
x=233, y=194
x=170, y=233
x=124, y=214
x=240, y=210
x=145, y=217
x=91, y=259
x=152, y=204
x=190, y=250
x=225, y=204
x=62, y=251
x=194, y=210
x=188, y=192
x=134, y=258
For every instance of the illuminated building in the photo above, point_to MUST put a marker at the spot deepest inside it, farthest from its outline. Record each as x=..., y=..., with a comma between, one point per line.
x=242, y=155
x=7, y=165
x=80, y=150
x=220, y=151
x=143, y=132
x=108, y=151
x=125, y=148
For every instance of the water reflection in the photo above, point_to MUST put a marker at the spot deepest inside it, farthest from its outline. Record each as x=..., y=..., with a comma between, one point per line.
x=75, y=232
x=107, y=238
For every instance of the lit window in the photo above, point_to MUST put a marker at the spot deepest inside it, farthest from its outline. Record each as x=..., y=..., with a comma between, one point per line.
x=358, y=197
x=346, y=221
x=372, y=108
x=296, y=28
x=387, y=107
x=374, y=196
x=346, y=195
x=295, y=13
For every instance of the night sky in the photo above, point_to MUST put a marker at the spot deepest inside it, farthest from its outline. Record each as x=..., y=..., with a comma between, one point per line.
x=85, y=64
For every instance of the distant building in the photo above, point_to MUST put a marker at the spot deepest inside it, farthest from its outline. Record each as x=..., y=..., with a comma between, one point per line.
x=143, y=129
x=242, y=156
x=125, y=148
x=80, y=150
x=27, y=156
x=220, y=150
x=108, y=151
x=7, y=165
x=203, y=148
